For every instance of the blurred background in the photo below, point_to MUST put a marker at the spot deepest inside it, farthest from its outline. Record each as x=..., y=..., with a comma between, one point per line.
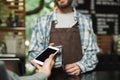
x=17, y=18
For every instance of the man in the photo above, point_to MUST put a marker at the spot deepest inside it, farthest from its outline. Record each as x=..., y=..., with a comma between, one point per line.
x=42, y=74
x=67, y=27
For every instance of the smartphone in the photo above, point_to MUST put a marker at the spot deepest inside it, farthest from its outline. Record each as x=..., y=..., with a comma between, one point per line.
x=45, y=54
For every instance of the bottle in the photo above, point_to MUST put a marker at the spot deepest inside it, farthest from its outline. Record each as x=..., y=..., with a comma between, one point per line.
x=3, y=48
x=15, y=21
x=9, y=20
x=0, y=22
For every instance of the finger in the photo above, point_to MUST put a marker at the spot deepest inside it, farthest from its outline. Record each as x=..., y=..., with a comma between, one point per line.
x=33, y=62
x=47, y=61
x=51, y=44
x=69, y=66
x=71, y=69
x=36, y=65
x=51, y=56
x=76, y=72
x=51, y=60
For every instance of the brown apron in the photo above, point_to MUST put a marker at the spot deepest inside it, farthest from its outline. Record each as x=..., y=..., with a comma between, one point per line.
x=70, y=40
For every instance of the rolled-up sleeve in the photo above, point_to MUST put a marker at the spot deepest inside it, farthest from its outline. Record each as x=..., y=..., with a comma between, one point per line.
x=90, y=49
x=36, y=41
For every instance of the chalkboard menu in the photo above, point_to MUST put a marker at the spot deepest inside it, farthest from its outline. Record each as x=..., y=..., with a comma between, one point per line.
x=105, y=15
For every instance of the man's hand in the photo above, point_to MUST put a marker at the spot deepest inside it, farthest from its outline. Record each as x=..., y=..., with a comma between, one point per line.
x=51, y=44
x=72, y=69
x=47, y=66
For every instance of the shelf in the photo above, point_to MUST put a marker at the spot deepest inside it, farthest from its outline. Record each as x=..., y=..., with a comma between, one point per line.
x=10, y=10
x=12, y=27
x=105, y=43
x=17, y=6
x=15, y=1
x=9, y=29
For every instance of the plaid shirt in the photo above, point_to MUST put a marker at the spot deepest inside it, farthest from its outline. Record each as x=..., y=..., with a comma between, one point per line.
x=41, y=34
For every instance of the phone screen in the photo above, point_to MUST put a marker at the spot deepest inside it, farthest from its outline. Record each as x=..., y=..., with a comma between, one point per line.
x=45, y=54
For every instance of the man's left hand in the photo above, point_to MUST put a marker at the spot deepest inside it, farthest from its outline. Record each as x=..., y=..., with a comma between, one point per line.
x=72, y=69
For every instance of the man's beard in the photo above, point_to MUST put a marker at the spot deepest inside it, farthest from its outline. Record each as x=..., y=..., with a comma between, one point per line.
x=63, y=6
